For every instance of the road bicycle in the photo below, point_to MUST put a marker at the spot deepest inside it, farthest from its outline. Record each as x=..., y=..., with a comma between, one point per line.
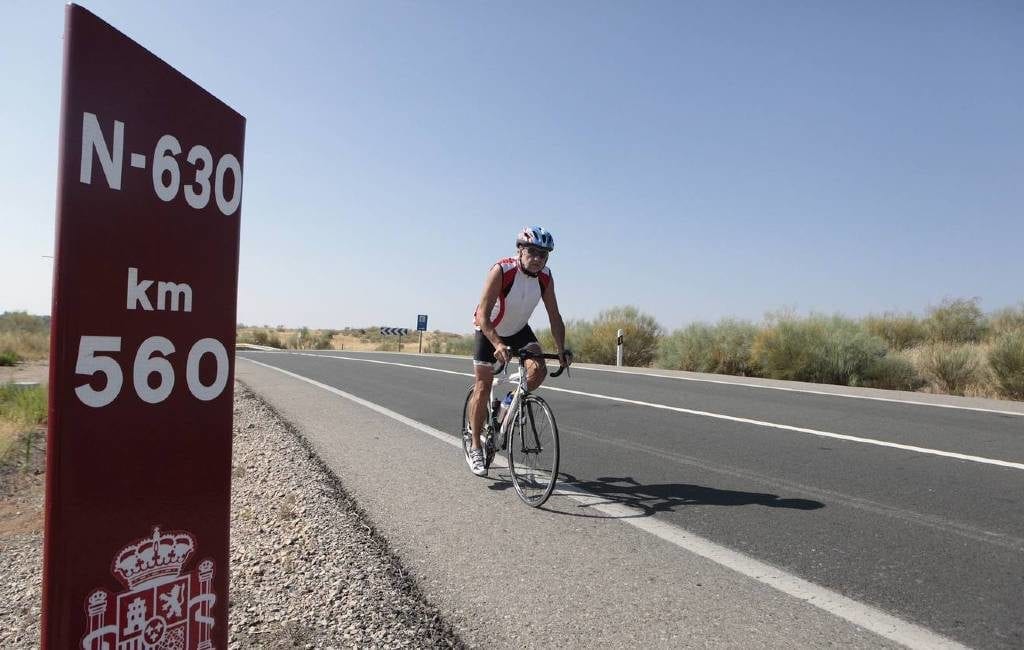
x=527, y=431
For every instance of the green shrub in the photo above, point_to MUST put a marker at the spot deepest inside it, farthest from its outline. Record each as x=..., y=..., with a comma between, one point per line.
x=305, y=339
x=20, y=321
x=1006, y=320
x=819, y=349
x=687, y=349
x=1006, y=358
x=23, y=337
x=266, y=337
x=462, y=345
x=956, y=321
x=723, y=348
x=894, y=371
x=640, y=338
x=952, y=369
x=899, y=331
x=576, y=330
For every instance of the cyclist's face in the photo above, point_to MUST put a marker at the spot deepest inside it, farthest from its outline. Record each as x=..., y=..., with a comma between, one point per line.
x=533, y=258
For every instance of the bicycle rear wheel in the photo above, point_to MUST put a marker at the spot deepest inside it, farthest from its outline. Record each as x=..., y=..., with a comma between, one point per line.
x=485, y=435
x=533, y=451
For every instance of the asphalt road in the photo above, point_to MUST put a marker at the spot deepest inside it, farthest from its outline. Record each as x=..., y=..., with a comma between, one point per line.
x=933, y=540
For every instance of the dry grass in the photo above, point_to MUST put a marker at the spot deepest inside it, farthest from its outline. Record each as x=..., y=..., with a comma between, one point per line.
x=951, y=369
x=22, y=410
x=26, y=346
x=8, y=437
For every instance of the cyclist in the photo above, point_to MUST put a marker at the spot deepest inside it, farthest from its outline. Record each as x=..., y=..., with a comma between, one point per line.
x=513, y=287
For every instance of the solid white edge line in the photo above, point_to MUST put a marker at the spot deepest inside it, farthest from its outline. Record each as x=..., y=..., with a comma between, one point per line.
x=860, y=614
x=718, y=416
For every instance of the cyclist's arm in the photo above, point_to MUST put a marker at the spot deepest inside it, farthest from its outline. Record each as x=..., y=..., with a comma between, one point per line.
x=557, y=326
x=492, y=287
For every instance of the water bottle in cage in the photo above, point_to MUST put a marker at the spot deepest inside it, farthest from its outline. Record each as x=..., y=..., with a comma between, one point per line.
x=505, y=403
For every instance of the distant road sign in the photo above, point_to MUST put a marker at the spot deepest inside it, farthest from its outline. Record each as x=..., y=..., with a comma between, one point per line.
x=421, y=323
x=400, y=331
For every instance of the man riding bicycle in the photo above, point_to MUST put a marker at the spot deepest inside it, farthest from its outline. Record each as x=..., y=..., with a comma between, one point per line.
x=512, y=289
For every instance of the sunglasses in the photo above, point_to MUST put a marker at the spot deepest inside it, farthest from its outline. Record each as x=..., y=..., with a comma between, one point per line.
x=533, y=251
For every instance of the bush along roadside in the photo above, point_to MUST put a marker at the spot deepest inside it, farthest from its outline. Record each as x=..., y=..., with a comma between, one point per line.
x=953, y=349
x=1006, y=357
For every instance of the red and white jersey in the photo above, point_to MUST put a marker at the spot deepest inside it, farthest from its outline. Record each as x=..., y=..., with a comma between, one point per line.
x=517, y=299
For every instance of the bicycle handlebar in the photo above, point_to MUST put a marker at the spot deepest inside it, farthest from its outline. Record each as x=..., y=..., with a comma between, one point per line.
x=526, y=354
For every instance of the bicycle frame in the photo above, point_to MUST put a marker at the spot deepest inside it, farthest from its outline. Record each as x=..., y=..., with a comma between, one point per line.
x=519, y=395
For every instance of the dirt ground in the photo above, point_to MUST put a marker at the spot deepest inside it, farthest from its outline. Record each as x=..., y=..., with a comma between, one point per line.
x=28, y=371
x=21, y=511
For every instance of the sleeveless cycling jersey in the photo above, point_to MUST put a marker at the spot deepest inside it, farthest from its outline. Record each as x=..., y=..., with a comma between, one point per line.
x=517, y=299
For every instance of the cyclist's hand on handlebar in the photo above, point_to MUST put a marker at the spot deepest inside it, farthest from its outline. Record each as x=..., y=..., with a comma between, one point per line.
x=565, y=358
x=503, y=353
x=564, y=361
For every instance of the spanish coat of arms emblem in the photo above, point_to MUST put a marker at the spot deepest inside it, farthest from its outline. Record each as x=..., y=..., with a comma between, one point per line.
x=162, y=608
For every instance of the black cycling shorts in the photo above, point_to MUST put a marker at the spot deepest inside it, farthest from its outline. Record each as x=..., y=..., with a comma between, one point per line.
x=483, y=354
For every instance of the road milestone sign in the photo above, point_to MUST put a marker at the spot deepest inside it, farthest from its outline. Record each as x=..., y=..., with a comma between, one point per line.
x=142, y=352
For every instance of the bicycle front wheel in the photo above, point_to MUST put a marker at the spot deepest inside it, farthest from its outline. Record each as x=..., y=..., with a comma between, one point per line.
x=533, y=451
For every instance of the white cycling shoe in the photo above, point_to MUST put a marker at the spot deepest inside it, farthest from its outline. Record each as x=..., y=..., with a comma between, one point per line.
x=476, y=462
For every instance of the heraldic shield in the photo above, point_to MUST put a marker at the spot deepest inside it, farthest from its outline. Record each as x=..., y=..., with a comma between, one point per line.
x=162, y=607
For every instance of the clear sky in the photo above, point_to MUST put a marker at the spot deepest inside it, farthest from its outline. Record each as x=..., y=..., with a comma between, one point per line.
x=698, y=160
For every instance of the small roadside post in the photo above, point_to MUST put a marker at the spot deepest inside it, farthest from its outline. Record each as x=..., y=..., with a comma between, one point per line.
x=421, y=326
x=618, y=349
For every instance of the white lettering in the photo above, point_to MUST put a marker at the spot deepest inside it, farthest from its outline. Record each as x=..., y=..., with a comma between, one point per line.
x=195, y=355
x=228, y=163
x=198, y=201
x=174, y=293
x=93, y=140
x=137, y=291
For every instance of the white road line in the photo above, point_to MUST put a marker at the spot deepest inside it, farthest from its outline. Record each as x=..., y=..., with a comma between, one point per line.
x=440, y=435
x=860, y=614
x=719, y=416
x=806, y=390
x=751, y=385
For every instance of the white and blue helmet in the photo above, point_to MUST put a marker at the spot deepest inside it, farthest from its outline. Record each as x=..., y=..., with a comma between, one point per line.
x=536, y=236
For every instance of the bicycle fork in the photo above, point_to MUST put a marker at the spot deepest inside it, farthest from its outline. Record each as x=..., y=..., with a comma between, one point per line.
x=518, y=415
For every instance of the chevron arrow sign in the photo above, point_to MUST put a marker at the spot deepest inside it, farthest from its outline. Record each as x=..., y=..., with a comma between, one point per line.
x=400, y=331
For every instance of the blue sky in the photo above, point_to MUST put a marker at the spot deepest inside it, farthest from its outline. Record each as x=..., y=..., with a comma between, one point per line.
x=697, y=160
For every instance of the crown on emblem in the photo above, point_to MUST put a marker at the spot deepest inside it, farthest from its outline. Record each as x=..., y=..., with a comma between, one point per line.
x=151, y=558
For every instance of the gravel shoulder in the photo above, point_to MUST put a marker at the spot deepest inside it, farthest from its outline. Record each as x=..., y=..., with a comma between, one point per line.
x=308, y=568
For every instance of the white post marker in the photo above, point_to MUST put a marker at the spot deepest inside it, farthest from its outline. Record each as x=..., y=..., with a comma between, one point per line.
x=618, y=349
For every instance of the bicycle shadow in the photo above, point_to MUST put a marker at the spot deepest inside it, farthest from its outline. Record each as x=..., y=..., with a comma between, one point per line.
x=666, y=497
